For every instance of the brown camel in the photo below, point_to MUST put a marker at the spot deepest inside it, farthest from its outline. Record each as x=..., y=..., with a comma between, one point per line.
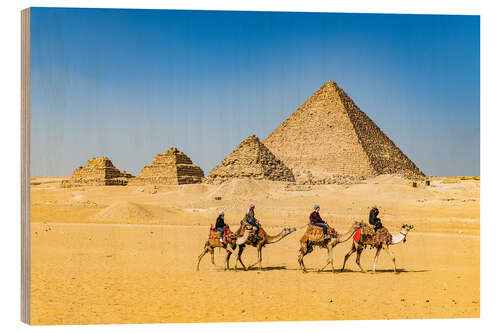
x=379, y=240
x=314, y=237
x=248, y=239
x=229, y=244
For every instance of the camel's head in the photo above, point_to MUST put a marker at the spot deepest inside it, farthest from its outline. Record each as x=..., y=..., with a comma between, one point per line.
x=287, y=231
x=407, y=227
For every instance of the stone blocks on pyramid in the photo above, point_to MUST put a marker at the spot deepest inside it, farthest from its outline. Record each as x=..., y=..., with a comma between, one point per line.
x=99, y=171
x=170, y=168
x=250, y=160
x=328, y=139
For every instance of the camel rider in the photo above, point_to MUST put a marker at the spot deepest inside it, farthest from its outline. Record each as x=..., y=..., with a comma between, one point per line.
x=220, y=224
x=315, y=219
x=250, y=219
x=374, y=220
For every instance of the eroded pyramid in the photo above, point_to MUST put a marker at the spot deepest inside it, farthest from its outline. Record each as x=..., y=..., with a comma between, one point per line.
x=328, y=139
x=170, y=168
x=99, y=171
x=251, y=160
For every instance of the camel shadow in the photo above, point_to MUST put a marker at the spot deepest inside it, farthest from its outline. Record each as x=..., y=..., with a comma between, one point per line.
x=326, y=271
x=398, y=271
x=268, y=268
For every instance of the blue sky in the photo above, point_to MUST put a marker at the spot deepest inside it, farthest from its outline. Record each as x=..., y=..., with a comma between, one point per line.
x=129, y=84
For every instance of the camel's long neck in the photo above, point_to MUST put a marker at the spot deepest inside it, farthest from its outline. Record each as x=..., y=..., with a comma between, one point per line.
x=399, y=237
x=276, y=238
x=347, y=235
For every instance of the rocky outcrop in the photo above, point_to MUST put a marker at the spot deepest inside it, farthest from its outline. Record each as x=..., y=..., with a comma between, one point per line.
x=99, y=171
x=170, y=168
x=328, y=139
x=250, y=160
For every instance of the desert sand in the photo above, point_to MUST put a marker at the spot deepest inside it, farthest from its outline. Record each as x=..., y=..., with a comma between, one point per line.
x=127, y=254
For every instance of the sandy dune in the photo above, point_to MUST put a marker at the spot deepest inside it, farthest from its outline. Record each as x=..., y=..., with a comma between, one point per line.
x=128, y=254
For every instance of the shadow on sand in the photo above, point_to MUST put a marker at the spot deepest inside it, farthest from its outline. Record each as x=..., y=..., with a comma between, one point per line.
x=269, y=268
x=398, y=271
x=328, y=271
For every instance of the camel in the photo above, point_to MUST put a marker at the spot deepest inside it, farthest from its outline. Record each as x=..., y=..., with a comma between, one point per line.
x=380, y=240
x=229, y=244
x=248, y=239
x=314, y=237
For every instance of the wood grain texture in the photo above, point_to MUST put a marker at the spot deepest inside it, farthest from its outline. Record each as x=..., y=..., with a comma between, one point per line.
x=25, y=166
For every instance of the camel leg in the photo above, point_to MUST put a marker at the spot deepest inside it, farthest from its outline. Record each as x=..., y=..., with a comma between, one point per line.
x=358, y=258
x=330, y=255
x=259, y=257
x=302, y=253
x=237, y=259
x=212, y=255
x=259, y=253
x=226, y=267
x=240, y=251
x=353, y=249
x=241, y=261
x=330, y=259
x=205, y=250
x=376, y=259
x=389, y=252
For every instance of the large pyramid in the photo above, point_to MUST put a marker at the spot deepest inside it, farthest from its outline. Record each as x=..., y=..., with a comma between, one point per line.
x=329, y=139
x=172, y=167
x=251, y=160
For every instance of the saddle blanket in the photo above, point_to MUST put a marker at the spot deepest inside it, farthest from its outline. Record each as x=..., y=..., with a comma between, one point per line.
x=383, y=236
x=316, y=233
x=250, y=235
x=214, y=235
x=366, y=236
x=357, y=235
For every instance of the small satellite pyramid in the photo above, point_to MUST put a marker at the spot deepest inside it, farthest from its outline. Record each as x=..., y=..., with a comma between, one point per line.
x=99, y=171
x=329, y=137
x=172, y=167
x=251, y=160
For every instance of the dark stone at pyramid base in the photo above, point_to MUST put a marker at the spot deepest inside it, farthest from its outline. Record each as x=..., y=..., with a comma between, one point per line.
x=164, y=180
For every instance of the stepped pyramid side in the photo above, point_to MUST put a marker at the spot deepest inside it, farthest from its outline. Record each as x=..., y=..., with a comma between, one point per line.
x=99, y=171
x=250, y=160
x=385, y=156
x=328, y=139
x=170, y=168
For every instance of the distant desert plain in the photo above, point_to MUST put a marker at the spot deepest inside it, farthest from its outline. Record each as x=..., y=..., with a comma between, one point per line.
x=127, y=254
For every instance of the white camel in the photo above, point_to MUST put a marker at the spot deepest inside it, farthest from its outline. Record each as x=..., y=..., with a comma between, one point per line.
x=368, y=237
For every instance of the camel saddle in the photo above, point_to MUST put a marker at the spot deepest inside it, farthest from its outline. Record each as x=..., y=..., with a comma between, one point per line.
x=316, y=233
x=251, y=237
x=214, y=235
x=367, y=236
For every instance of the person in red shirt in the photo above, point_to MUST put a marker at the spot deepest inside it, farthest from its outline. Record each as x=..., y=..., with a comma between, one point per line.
x=315, y=219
